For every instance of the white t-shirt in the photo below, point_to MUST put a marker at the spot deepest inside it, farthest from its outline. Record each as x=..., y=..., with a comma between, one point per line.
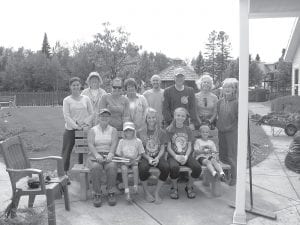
x=204, y=148
x=77, y=111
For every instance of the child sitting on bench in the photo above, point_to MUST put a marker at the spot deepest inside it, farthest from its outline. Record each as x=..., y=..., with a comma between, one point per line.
x=132, y=148
x=205, y=152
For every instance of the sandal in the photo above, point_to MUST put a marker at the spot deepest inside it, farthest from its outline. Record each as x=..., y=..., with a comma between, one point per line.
x=189, y=192
x=174, y=193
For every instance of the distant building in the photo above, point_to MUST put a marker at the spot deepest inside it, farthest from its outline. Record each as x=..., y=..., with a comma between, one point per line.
x=269, y=70
x=167, y=75
x=292, y=54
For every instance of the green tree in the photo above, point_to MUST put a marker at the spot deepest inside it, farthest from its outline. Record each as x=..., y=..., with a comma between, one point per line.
x=198, y=64
x=210, y=54
x=46, y=47
x=223, y=55
x=255, y=73
x=257, y=58
x=113, y=50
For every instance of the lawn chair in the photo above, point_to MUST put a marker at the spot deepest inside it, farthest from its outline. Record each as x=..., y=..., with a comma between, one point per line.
x=18, y=166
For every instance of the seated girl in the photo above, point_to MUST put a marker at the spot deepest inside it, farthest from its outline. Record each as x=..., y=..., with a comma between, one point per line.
x=154, y=140
x=180, y=149
x=132, y=148
x=205, y=152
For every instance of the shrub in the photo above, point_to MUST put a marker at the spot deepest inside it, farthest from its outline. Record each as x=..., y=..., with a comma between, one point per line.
x=290, y=104
x=258, y=95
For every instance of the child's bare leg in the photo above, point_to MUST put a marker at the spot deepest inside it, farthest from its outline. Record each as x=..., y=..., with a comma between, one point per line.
x=209, y=166
x=124, y=169
x=218, y=167
x=135, y=171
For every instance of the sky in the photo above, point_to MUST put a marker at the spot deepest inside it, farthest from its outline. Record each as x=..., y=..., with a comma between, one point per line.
x=176, y=28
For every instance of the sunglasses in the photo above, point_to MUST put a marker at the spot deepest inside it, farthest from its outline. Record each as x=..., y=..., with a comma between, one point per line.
x=117, y=87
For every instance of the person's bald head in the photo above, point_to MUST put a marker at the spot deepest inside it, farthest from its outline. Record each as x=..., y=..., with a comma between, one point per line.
x=155, y=81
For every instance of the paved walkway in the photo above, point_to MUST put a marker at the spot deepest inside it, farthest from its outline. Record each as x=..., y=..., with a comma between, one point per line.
x=275, y=189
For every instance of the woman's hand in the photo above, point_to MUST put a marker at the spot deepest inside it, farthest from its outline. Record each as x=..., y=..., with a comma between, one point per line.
x=179, y=158
x=109, y=157
x=150, y=160
x=99, y=158
x=184, y=159
x=155, y=161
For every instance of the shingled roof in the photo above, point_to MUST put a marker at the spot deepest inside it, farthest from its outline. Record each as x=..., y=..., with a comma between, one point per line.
x=168, y=73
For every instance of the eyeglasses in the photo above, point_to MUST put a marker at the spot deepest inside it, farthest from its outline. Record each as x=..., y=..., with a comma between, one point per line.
x=117, y=87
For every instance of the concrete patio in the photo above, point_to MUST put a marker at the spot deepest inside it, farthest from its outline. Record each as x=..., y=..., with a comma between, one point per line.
x=275, y=189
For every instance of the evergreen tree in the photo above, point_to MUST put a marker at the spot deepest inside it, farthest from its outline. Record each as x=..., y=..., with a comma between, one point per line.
x=257, y=58
x=46, y=47
x=198, y=64
x=211, y=52
x=223, y=54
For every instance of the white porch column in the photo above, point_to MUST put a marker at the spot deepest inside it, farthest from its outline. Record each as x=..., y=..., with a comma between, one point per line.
x=239, y=216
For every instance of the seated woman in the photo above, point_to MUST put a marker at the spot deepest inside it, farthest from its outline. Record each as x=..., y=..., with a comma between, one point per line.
x=180, y=149
x=102, y=142
x=154, y=140
x=206, y=102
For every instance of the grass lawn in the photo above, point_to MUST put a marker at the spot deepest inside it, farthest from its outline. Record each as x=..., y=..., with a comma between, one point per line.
x=41, y=129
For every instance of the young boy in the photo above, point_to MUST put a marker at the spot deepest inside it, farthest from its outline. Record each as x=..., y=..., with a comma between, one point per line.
x=132, y=148
x=205, y=152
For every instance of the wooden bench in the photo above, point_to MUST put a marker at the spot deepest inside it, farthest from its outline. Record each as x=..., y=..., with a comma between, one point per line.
x=81, y=146
x=9, y=101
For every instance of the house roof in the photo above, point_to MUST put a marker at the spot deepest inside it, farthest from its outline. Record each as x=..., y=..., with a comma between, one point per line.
x=168, y=73
x=274, y=8
x=294, y=42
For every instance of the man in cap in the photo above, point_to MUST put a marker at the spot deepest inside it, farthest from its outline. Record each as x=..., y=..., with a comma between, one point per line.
x=155, y=96
x=179, y=95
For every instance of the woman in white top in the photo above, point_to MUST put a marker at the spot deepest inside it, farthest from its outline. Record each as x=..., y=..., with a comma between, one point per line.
x=94, y=92
x=206, y=102
x=78, y=113
x=102, y=142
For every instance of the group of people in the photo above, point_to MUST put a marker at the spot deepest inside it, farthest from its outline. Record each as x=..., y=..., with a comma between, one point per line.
x=157, y=131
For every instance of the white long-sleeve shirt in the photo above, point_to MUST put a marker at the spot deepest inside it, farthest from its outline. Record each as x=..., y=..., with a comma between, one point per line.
x=77, y=111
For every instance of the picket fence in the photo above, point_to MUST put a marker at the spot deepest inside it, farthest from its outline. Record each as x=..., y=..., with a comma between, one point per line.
x=37, y=98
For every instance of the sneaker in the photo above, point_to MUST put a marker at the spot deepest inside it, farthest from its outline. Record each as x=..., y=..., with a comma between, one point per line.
x=112, y=201
x=128, y=197
x=135, y=189
x=222, y=177
x=97, y=201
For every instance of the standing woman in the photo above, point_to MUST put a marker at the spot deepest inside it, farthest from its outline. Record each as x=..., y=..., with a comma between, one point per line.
x=227, y=124
x=206, y=102
x=78, y=113
x=94, y=92
x=137, y=104
x=117, y=104
x=154, y=140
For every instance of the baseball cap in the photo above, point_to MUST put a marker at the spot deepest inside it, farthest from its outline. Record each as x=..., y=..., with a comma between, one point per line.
x=128, y=125
x=104, y=110
x=178, y=71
